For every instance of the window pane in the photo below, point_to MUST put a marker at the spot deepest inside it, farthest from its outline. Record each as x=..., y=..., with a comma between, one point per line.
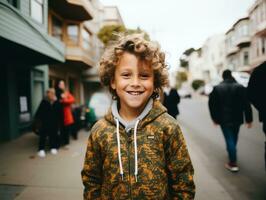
x=72, y=32
x=86, y=39
x=57, y=28
x=13, y=3
x=246, y=58
x=37, y=10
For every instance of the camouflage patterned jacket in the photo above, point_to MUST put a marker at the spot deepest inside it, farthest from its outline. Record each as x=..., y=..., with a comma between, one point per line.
x=165, y=170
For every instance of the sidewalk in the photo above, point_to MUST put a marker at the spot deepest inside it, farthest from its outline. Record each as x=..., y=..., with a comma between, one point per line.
x=207, y=186
x=24, y=176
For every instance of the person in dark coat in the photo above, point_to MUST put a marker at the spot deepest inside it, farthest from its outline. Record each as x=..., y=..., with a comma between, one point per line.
x=49, y=116
x=257, y=94
x=228, y=104
x=171, y=100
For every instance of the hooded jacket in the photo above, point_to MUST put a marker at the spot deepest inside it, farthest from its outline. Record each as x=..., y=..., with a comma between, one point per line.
x=149, y=162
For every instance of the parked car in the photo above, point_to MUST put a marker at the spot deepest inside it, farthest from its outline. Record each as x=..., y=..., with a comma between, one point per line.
x=100, y=103
x=184, y=93
x=241, y=77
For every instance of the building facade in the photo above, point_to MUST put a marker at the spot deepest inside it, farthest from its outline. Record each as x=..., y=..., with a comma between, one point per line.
x=237, y=46
x=207, y=62
x=66, y=23
x=112, y=16
x=26, y=50
x=109, y=15
x=257, y=15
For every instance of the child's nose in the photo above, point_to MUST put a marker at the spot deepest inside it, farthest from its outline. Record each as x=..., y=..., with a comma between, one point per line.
x=135, y=80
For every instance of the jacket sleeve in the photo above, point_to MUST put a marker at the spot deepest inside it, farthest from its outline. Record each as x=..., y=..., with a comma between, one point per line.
x=214, y=106
x=40, y=110
x=179, y=167
x=255, y=89
x=92, y=171
x=177, y=97
x=69, y=99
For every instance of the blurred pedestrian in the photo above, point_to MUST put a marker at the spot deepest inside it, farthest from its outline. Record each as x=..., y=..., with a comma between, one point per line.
x=66, y=99
x=49, y=116
x=171, y=100
x=90, y=116
x=137, y=151
x=257, y=94
x=228, y=104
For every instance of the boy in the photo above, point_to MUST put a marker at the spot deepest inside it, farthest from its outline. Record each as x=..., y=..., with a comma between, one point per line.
x=137, y=151
x=49, y=116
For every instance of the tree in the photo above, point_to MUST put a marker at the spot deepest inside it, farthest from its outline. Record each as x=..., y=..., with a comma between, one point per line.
x=189, y=51
x=197, y=83
x=110, y=33
x=183, y=63
x=181, y=77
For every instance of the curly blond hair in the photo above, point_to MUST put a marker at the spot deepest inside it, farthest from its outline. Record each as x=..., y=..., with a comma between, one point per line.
x=136, y=44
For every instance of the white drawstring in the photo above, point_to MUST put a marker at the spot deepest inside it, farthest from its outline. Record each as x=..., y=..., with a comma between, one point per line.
x=119, y=149
x=136, y=150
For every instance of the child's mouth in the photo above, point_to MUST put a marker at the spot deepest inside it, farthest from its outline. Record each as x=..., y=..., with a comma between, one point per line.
x=134, y=93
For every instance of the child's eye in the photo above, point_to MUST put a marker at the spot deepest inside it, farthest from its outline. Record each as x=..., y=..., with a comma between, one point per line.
x=125, y=75
x=144, y=76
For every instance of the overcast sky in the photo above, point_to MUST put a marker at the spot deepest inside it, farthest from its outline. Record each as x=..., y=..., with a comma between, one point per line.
x=178, y=25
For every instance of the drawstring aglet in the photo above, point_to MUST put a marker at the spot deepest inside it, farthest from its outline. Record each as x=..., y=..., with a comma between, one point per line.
x=136, y=178
x=122, y=177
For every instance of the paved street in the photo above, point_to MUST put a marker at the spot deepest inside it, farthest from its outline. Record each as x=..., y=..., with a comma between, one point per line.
x=208, y=149
x=23, y=176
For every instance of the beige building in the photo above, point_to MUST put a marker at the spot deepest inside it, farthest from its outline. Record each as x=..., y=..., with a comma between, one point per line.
x=237, y=46
x=103, y=16
x=66, y=22
x=257, y=15
x=112, y=16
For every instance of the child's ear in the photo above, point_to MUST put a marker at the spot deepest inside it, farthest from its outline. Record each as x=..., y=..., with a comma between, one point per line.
x=113, y=84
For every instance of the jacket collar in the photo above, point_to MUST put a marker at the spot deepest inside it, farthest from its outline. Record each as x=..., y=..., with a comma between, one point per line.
x=157, y=110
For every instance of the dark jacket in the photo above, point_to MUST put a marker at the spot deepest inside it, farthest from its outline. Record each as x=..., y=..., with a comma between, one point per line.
x=49, y=115
x=171, y=101
x=165, y=170
x=256, y=90
x=228, y=103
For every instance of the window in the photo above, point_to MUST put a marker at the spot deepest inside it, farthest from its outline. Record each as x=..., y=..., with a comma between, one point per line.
x=86, y=39
x=36, y=8
x=246, y=58
x=57, y=28
x=263, y=45
x=13, y=3
x=72, y=33
x=71, y=85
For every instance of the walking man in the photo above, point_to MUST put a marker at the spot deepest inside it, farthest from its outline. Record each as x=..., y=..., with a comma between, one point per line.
x=257, y=94
x=228, y=105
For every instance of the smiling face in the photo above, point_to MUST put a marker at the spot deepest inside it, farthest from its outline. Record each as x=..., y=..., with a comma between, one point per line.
x=133, y=83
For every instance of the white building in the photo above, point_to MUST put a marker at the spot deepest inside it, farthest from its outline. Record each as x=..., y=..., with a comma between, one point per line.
x=112, y=16
x=257, y=15
x=207, y=62
x=237, y=46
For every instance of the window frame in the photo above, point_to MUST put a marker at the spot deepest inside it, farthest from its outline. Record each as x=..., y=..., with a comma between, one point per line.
x=42, y=9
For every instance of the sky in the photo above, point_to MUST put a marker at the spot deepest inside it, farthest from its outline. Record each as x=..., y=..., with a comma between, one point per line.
x=178, y=25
